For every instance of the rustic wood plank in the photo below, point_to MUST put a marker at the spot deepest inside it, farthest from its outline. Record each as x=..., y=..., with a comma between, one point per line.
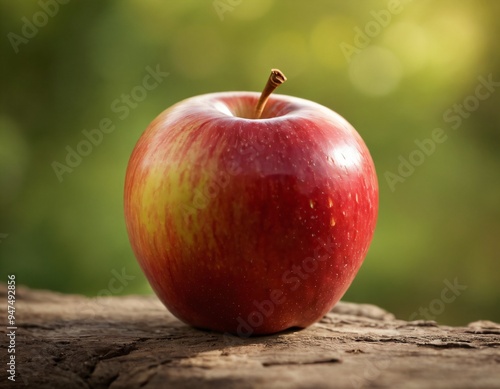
x=70, y=341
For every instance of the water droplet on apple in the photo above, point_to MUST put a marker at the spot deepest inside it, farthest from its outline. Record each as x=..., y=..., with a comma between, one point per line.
x=332, y=221
x=330, y=202
x=311, y=204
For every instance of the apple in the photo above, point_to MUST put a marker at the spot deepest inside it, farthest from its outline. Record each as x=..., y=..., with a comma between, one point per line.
x=250, y=214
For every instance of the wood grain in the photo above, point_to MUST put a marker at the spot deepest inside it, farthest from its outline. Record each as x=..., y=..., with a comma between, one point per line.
x=70, y=341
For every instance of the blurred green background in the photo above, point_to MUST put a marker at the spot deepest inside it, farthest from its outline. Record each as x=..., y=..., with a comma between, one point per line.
x=393, y=73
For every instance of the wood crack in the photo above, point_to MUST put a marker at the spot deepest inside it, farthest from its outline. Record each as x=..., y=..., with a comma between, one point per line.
x=291, y=363
x=136, y=343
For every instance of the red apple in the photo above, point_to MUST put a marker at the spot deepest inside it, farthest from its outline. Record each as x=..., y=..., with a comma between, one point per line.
x=250, y=220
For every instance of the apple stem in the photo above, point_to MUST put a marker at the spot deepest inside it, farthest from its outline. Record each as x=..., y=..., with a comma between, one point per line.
x=275, y=80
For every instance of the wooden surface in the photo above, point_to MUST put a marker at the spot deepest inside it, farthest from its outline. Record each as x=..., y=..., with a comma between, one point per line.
x=69, y=341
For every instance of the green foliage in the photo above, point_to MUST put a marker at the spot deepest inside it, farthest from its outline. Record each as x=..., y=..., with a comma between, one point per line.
x=437, y=224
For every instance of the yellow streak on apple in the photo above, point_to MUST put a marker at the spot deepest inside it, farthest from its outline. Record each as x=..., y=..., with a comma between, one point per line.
x=163, y=185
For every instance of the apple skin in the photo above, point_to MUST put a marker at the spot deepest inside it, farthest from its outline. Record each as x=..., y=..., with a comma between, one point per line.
x=250, y=226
